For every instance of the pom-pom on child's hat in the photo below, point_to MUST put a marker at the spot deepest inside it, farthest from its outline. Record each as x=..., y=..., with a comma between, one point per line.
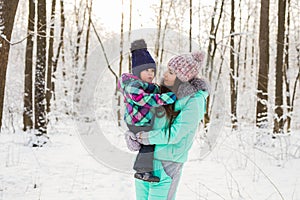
x=141, y=58
x=187, y=66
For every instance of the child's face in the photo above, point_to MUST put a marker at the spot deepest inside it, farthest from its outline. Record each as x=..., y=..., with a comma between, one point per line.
x=147, y=75
x=169, y=77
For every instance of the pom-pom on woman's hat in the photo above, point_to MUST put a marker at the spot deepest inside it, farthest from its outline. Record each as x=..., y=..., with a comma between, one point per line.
x=187, y=66
x=141, y=58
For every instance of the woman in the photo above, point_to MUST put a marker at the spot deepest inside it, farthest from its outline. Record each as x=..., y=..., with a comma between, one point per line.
x=174, y=129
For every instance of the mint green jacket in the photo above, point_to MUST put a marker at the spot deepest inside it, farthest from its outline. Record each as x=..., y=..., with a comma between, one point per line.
x=175, y=146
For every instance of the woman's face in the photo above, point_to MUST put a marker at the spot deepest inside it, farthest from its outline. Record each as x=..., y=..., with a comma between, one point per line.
x=169, y=77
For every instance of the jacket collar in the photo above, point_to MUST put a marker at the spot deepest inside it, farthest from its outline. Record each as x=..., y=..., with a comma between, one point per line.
x=191, y=87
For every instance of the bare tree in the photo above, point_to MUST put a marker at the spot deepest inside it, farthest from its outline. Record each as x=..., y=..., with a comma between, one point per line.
x=60, y=50
x=164, y=34
x=87, y=39
x=246, y=45
x=105, y=55
x=129, y=34
x=159, y=19
x=28, y=100
x=212, y=45
x=211, y=52
x=278, y=120
x=222, y=51
x=286, y=68
x=118, y=96
x=76, y=58
x=40, y=71
x=262, y=87
x=295, y=87
x=121, y=39
x=254, y=53
x=87, y=42
x=50, y=57
x=191, y=24
x=8, y=11
x=233, y=70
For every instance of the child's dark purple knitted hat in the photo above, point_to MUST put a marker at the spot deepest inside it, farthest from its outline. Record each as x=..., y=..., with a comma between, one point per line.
x=141, y=58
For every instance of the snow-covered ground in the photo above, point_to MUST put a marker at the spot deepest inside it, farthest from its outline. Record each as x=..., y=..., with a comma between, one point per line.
x=235, y=169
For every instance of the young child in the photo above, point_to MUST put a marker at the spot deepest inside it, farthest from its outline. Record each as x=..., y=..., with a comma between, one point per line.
x=140, y=95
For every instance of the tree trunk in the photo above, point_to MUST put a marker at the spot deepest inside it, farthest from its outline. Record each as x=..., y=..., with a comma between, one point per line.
x=278, y=120
x=233, y=71
x=87, y=41
x=246, y=52
x=254, y=44
x=199, y=23
x=295, y=86
x=50, y=58
x=191, y=24
x=117, y=95
x=8, y=11
x=262, y=87
x=223, y=49
x=164, y=35
x=77, y=71
x=212, y=47
x=212, y=42
x=129, y=35
x=40, y=71
x=28, y=100
x=286, y=68
x=157, y=43
x=121, y=40
x=60, y=50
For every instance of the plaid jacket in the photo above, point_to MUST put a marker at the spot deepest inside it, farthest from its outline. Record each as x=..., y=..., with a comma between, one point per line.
x=139, y=98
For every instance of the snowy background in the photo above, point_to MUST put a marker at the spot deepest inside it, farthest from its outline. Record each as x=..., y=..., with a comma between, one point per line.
x=245, y=164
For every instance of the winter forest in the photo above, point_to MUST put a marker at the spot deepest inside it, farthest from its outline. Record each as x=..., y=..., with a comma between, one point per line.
x=61, y=116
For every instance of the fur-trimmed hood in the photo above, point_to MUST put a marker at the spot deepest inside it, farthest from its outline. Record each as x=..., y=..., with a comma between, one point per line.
x=191, y=87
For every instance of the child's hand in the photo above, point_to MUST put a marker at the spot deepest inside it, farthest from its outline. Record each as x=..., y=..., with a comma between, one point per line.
x=131, y=142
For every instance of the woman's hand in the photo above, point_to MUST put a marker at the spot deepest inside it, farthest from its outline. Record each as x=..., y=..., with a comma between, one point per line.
x=131, y=141
x=142, y=137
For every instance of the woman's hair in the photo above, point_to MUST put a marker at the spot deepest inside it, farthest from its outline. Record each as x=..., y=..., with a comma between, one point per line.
x=169, y=109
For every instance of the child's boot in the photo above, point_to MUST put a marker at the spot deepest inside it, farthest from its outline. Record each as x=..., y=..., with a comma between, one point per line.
x=146, y=176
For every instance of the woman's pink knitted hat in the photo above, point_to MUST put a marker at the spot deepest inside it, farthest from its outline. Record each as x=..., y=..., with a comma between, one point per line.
x=187, y=66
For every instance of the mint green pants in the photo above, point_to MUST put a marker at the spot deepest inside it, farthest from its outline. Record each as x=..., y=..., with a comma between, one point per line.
x=169, y=173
